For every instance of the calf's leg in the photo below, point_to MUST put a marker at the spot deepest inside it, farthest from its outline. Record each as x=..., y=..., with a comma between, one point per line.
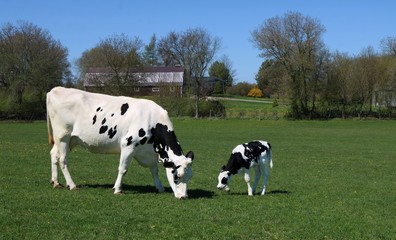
x=247, y=180
x=257, y=174
x=264, y=173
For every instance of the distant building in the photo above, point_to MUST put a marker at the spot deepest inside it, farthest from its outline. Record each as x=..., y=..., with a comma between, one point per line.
x=143, y=82
x=385, y=96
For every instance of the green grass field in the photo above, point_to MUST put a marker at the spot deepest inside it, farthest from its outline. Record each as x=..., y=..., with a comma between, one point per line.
x=331, y=180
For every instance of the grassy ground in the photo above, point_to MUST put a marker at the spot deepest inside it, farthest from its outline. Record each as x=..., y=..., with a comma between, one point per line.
x=331, y=180
x=254, y=108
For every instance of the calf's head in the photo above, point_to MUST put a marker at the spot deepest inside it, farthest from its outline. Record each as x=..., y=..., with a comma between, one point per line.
x=224, y=179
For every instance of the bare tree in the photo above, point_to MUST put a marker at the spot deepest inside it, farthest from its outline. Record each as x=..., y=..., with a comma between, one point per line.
x=389, y=45
x=294, y=41
x=194, y=49
x=117, y=57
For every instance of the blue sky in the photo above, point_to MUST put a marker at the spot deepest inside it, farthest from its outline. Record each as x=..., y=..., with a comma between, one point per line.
x=79, y=25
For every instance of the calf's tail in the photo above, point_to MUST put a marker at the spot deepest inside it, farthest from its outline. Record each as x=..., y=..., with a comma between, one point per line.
x=270, y=156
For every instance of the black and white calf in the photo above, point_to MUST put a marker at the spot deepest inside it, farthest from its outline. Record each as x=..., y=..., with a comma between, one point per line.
x=256, y=155
x=134, y=128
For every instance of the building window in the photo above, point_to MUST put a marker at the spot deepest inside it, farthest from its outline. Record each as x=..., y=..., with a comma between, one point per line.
x=136, y=89
x=172, y=89
x=155, y=89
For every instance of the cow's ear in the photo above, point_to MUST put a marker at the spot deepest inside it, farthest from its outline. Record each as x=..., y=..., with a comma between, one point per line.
x=168, y=164
x=190, y=154
x=223, y=168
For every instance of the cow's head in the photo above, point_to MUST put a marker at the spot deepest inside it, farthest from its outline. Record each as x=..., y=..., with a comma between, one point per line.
x=224, y=179
x=179, y=173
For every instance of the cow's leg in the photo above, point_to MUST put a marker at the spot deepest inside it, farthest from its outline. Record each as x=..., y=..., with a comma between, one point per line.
x=169, y=175
x=257, y=174
x=157, y=182
x=63, y=155
x=125, y=161
x=247, y=180
x=54, y=167
x=264, y=173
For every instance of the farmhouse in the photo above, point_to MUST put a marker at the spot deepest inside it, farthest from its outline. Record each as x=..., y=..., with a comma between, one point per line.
x=141, y=82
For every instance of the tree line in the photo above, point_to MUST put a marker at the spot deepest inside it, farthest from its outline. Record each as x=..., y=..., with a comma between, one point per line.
x=296, y=66
x=318, y=83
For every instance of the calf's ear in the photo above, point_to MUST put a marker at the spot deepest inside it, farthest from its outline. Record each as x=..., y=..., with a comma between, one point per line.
x=168, y=164
x=190, y=154
x=223, y=168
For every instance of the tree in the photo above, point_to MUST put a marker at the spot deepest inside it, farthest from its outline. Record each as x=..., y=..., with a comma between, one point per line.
x=339, y=88
x=389, y=45
x=222, y=71
x=272, y=78
x=241, y=89
x=119, y=57
x=31, y=63
x=195, y=50
x=294, y=41
x=150, y=54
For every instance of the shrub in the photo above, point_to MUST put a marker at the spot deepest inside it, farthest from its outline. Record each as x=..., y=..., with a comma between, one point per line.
x=255, y=92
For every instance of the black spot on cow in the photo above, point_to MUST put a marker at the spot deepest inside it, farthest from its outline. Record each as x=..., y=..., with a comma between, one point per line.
x=124, y=108
x=142, y=132
x=98, y=109
x=103, y=129
x=162, y=139
x=143, y=140
x=224, y=181
x=112, y=131
x=129, y=140
x=112, y=115
x=94, y=120
x=254, y=149
x=103, y=121
x=236, y=162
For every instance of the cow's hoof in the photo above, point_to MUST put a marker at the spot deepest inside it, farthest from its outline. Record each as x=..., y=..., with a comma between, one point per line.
x=119, y=193
x=57, y=186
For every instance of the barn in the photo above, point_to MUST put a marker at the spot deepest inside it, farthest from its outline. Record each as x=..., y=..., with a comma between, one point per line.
x=147, y=81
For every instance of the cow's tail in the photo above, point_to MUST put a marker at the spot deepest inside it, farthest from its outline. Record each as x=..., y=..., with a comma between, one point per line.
x=270, y=155
x=49, y=126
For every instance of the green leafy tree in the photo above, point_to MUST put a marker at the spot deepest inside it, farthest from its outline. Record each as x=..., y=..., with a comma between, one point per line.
x=222, y=70
x=272, y=78
x=150, y=54
x=31, y=63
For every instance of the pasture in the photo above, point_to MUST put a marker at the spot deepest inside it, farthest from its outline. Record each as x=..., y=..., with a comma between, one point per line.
x=331, y=180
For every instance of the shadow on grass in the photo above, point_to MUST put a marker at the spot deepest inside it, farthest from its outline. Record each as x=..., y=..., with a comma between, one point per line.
x=273, y=192
x=192, y=193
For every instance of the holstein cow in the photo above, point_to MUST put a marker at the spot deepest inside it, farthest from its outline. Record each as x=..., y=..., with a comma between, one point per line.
x=255, y=154
x=135, y=128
